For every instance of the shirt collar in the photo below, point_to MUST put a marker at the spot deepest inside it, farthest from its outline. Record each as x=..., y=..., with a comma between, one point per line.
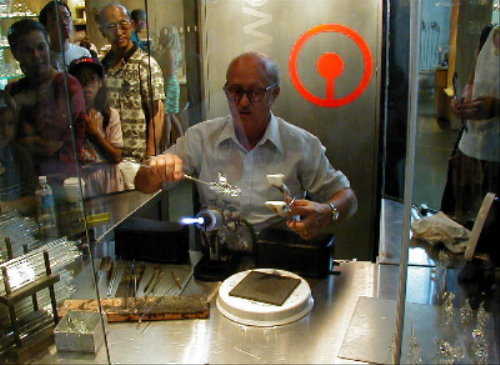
x=271, y=134
x=126, y=56
x=227, y=132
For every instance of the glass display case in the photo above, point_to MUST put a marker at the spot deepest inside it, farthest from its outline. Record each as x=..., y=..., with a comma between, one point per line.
x=388, y=93
x=451, y=186
x=44, y=246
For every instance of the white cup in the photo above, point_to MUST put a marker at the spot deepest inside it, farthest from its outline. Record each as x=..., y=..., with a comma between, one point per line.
x=278, y=206
x=128, y=170
x=72, y=189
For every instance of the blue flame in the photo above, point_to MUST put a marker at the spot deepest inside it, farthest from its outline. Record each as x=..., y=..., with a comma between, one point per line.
x=190, y=220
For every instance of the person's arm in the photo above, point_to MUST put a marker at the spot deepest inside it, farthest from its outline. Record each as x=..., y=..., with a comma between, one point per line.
x=480, y=108
x=315, y=216
x=156, y=126
x=79, y=118
x=169, y=63
x=111, y=153
x=483, y=106
x=153, y=96
x=162, y=168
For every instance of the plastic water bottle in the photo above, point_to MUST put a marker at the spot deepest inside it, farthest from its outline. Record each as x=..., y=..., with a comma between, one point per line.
x=47, y=219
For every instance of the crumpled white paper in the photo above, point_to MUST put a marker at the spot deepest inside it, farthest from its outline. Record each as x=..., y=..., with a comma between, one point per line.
x=441, y=228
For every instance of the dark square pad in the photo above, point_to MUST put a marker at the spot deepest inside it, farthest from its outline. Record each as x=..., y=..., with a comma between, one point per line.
x=266, y=288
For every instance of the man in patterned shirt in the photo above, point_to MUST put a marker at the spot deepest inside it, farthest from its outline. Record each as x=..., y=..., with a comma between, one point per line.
x=135, y=84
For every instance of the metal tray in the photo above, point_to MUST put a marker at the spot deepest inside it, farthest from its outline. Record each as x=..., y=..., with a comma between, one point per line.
x=79, y=331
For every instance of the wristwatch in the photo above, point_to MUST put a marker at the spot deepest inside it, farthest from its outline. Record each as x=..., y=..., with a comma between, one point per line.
x=335, y=212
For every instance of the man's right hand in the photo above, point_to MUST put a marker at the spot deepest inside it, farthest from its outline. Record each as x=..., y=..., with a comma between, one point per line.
x=166, y=167
x=162, y=168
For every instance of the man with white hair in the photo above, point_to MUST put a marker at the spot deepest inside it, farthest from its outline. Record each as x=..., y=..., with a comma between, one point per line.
x=251, y=143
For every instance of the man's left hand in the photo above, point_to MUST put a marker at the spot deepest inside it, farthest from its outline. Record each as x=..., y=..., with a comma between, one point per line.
x=313, y=216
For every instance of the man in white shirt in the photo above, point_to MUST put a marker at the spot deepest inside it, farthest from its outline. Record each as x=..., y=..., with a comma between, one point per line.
x=62, y=51
x=251, y=143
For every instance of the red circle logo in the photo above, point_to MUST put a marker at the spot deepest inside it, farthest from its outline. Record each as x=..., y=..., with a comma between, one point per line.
x=330, y=65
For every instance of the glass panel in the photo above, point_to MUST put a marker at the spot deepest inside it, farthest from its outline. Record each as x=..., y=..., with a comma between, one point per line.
x=211, y=34
x=214, y=33
x=44, y=244
x=454, y=222
x=120, y=105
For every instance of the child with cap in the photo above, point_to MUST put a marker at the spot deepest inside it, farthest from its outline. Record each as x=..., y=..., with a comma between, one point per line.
x=17, y=174
x=104, y=139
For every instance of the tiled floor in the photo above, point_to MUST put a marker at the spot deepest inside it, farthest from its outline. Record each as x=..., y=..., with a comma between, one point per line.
x=433, y=146
x=432, y=150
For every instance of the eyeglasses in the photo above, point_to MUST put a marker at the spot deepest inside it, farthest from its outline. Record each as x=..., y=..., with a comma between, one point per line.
x=254, y=95
x=123, y=25
x=88, y=80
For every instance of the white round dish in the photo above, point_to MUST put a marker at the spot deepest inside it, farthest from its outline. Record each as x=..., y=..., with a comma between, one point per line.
x=253, y=313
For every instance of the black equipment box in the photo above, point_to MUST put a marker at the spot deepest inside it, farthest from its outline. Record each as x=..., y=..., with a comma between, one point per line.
x=284, y=249
x=152, y=240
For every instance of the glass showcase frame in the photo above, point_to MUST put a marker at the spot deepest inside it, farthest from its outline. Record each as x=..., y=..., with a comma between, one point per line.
x=387, y=118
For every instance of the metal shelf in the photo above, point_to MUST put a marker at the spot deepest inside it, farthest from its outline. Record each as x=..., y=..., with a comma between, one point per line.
x=10, y=77
x=15, y=17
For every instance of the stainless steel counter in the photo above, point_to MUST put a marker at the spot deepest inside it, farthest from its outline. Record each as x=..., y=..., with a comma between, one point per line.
x=316, y=338
x=391, y=236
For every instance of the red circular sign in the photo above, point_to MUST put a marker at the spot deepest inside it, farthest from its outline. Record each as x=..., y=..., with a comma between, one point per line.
x=330, y=66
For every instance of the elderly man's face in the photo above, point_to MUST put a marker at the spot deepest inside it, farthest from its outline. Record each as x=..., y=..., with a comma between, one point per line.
x=116, y=26
x=249, y=101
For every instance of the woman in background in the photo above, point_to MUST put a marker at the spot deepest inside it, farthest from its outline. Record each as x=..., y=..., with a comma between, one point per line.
x=170, y=60
x=103, y=146
x=47, y=122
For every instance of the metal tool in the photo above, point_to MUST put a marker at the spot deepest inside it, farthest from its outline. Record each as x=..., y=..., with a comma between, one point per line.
x=105, y=265
x=176, y=280
x=152, y=307
x=220, y=187
x=112, y=280
x=152, y=279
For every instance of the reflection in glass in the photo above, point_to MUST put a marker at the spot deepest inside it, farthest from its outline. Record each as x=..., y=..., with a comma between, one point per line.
x=104, y=140
x=474, y=167
x=135, y=85
x=48, y=126
x=17, y=175
x=169, y=55
x=56, y=17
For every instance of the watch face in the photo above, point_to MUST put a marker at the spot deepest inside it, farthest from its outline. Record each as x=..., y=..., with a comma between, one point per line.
x=335, y=212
